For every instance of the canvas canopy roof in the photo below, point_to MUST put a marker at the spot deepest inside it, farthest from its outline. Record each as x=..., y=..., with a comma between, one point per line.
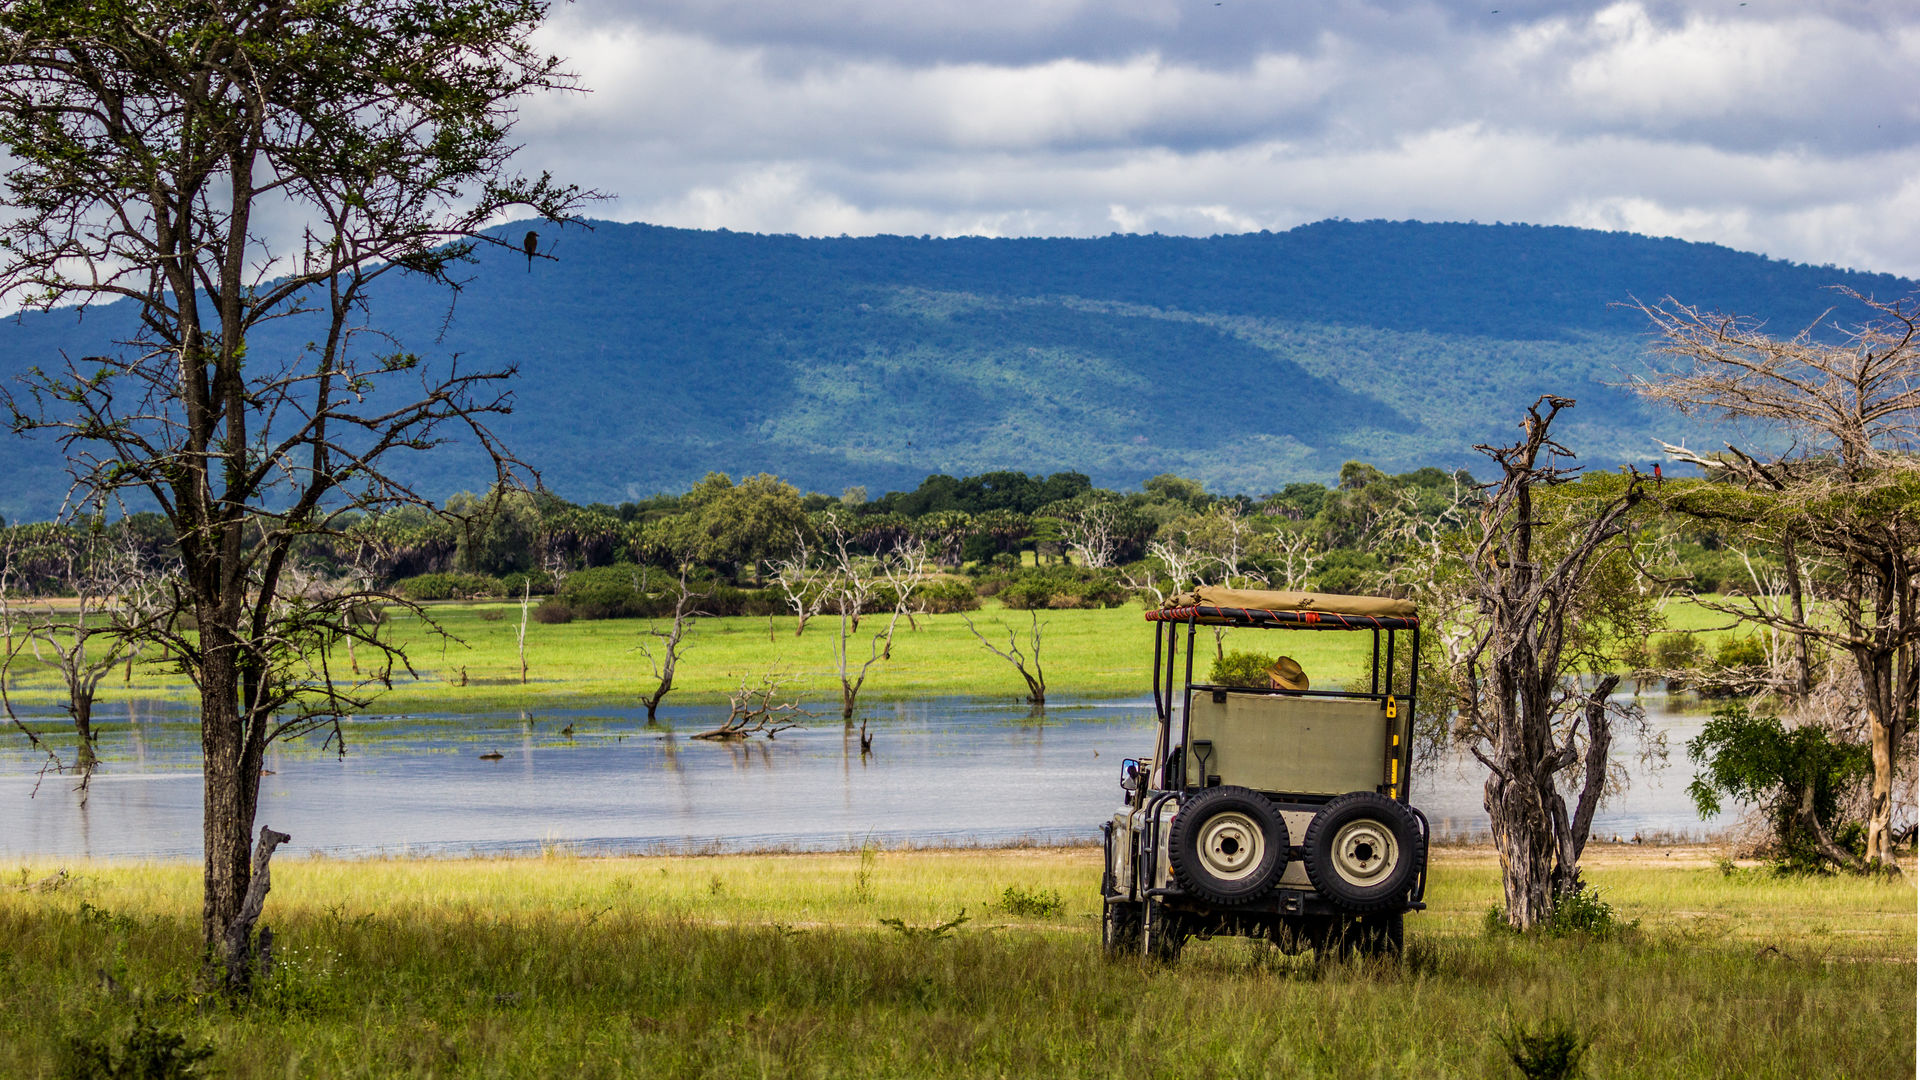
x=1215, y=603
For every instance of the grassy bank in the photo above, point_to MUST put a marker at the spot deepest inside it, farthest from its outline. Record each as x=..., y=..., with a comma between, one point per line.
x=1084, y=652
x=780, y=966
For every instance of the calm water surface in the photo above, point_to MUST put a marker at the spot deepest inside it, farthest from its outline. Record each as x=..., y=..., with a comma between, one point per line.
x=950, y=770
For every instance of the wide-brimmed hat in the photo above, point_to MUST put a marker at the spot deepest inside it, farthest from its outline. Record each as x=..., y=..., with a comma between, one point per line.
x=1286, y=674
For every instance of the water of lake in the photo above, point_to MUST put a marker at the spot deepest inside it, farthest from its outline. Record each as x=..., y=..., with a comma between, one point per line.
x=943, y=771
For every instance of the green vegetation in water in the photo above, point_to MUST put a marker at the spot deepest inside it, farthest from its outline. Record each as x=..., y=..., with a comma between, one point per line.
x=587, y=968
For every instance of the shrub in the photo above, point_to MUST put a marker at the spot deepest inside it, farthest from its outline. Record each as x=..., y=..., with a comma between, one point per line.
x=1677, y=652
x=1582, y=912
x=946, y=597
x=1551, y=1051
x=1740, y=652
x=727, y=600
x=1031, y=904
x=535, y=582
x=1058, y=587
x=1757, y=761
x=609, y=592
x=146, y=1052
x=552, y=611
x=1027, y=595
x=449, y=586
x=1241, y=669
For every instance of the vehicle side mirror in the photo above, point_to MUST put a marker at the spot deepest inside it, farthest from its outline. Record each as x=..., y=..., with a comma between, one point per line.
x=1129, y=774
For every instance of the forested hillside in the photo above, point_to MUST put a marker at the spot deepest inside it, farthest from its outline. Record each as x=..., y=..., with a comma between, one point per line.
x=649, y=356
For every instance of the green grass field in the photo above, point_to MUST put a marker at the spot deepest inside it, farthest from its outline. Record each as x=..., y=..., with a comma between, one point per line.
x=1084, y=653
x=747, y=966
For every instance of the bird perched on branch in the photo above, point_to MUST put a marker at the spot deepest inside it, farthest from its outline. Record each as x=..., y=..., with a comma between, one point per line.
x=532, y=245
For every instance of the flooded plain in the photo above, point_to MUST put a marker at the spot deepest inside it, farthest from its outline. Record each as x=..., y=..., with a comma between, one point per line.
x=598, y=780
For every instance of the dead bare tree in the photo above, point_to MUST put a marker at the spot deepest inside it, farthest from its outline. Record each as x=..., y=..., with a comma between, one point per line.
x=672, y=642
x=757, y=708
x=1845, y=500
x=1013, y=654
x=520, y=637
x=1521, y=715
x=1092, y=531
x=85, y=636
x=802, y=582
x=9, y=624
x=1296, y=555
x=855, y=584
x=905, y=570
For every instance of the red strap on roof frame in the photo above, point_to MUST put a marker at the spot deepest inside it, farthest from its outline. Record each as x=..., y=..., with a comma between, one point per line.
x=1316, y=620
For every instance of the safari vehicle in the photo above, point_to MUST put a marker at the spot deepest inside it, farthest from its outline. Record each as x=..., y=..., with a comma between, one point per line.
x=1265, y=811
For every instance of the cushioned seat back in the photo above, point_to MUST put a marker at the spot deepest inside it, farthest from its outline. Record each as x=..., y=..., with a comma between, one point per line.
x=1288, y=745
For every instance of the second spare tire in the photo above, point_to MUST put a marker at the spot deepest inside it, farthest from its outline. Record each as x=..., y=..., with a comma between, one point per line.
x=1362, y=851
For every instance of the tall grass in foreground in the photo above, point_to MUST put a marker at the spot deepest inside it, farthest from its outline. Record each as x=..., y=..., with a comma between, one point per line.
x=779, y=966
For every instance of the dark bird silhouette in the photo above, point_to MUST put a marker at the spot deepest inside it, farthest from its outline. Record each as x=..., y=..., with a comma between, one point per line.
x=567, y=731
x=532, y=245
x=491, y=755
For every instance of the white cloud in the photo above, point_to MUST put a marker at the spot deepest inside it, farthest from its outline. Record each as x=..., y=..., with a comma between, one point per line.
x=1777, y=127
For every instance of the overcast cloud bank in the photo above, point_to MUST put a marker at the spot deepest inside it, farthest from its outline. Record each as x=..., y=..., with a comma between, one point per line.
x=1791, y=129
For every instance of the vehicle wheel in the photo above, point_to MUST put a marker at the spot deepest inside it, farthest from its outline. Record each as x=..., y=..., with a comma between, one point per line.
x=1228, y=845
x=1380, y=935
x=1362, y=851
x=1162, y=932
x=1120, y=929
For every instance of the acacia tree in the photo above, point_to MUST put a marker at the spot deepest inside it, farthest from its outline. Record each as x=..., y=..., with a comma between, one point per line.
x=154, y=144
x=1532, y=578
x=1845, y=500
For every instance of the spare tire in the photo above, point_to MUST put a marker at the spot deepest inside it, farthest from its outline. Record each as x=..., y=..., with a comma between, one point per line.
x=1362, y=851
x=1228, y=845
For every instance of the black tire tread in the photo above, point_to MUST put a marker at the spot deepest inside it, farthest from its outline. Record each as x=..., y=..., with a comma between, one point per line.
x=1318, y=841
x=1193, y=879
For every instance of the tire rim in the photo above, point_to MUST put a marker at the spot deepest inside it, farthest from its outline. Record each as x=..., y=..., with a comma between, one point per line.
x=1231, y=845
x=1364, y=852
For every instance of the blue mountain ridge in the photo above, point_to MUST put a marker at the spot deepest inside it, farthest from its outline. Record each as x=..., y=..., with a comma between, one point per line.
x=650, y=355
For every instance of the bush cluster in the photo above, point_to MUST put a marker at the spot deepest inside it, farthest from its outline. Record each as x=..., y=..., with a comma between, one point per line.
x=521, y=582
x=451, y=585
x=947, y=597
x=1241, y=669
x=1055, y=587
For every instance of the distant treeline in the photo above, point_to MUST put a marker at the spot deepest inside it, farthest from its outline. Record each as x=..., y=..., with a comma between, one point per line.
x=1030, y=540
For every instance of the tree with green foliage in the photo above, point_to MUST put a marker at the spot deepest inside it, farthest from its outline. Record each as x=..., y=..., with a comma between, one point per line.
x=1844, y=500
x=497, y=531
x=738, y=526
x=219, y=167
x=1166, y=487
x=1797, y=777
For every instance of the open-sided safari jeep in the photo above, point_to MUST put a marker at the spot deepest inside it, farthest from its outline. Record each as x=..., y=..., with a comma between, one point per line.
x=1265, y=811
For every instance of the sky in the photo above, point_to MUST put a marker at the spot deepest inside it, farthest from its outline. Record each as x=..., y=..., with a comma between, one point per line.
x=1786, y=128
